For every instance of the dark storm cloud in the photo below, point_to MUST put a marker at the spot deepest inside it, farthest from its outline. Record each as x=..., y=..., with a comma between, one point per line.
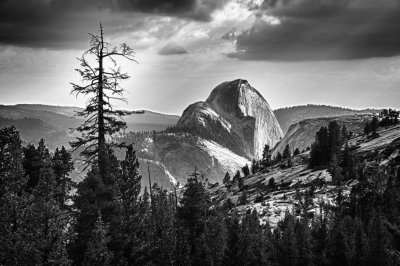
x=323, y=30
x=64, y=23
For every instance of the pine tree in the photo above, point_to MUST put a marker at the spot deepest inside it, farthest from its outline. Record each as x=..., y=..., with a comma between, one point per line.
x=374, y=124
x=246, y=170
x=319, y=154
x=165, y=221
x=278, y=157
x=240, y=181
x=216, y=236
x=379, y=241
x=321, y=236
x=103, y=85
x=99, y=192
x=341, y=250
x=271, y=183
x=345, y=133
x=236, y=177
x=335, y=170
x=128, y=184
x=266, y=157
x=227, y=178
x=254, y=246
x=255, y=166
x=361, y=244
x=243, y=198
x=62, y=165
x=367, y=128
x=97, y=252
x=334, y=138
x=33, y=228
x=35, y=159
x=47, y=222
x=348, y=163
x=234, y=246
x=304, y=242
x=193, y=215
x=288, y=252
x=286, y=153
x=13, y=200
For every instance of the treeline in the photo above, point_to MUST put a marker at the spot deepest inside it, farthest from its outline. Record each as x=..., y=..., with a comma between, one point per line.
x=331, y=150
x=107, y=221
x=387, y=117
x=284, y=159
x=35, y=211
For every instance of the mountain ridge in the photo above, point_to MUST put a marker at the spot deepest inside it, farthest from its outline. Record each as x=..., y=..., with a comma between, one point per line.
x=288, y=116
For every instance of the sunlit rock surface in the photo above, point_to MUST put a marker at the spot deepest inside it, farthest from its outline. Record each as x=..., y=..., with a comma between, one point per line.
x=237, y=111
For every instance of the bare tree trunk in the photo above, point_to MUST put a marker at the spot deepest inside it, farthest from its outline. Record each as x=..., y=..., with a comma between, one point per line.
x=101, y=136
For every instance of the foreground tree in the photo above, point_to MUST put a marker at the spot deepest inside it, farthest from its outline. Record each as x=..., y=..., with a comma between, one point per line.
x=97, y=252
x=102, y=82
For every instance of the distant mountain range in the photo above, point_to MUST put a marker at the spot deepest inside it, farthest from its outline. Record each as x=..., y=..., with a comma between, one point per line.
x=220, y=134
x=54, y=123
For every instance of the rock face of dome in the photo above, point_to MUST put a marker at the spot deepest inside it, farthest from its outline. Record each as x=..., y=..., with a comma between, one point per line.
x=236, y=116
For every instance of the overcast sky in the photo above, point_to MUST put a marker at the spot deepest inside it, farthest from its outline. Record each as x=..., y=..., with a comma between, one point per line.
x=337, y=52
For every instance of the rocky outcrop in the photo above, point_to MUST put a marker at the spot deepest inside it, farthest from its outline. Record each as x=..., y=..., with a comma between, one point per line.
x=271, y=204
x=236, y=116
x=181, y=155
x=302, y=134
x=158, y=174
x=176, y=155
x=216, y=136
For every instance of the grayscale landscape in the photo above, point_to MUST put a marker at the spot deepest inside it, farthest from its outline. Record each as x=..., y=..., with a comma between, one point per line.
x=200, y=132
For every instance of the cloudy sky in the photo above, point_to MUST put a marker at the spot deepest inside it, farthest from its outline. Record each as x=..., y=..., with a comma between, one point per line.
x=338, y=52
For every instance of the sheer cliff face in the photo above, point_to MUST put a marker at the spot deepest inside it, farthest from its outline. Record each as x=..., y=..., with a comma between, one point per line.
x=217, y=136
x=237, y=112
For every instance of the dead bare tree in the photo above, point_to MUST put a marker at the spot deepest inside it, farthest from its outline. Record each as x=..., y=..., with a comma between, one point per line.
x=101, y=79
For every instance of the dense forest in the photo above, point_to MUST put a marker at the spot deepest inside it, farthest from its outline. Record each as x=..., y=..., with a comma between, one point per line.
x=107, y=221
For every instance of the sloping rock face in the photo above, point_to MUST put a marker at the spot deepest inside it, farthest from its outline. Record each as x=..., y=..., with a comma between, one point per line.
x=272, y=203
x=158, y=174
x=171, y=157
x=181, y=154
x=236, y=116
x=302, y=134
